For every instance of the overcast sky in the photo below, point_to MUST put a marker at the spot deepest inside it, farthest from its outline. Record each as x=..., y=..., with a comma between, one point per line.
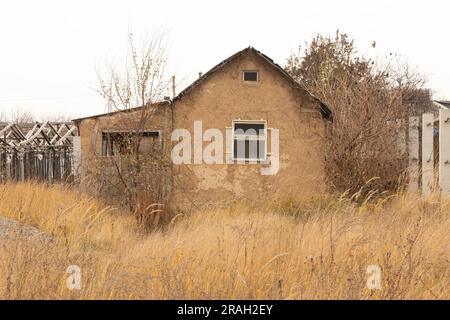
x=50, y=49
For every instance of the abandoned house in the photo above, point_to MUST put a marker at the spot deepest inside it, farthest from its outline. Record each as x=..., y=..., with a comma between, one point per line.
x=245, y=91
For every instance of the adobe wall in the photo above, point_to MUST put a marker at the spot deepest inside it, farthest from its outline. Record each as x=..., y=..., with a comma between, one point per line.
x=224, y=97
x=217, y=101
x=90, y=131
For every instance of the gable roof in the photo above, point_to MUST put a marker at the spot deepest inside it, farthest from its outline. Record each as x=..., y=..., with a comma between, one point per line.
x=324, y=109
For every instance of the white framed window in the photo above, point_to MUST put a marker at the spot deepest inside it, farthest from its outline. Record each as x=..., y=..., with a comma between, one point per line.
x=250, y=76
x=249, y=140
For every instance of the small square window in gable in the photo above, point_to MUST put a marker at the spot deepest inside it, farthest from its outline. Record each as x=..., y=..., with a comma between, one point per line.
x=250, y=76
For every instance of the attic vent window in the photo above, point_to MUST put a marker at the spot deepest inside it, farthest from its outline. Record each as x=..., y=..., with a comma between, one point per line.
x=251, y=76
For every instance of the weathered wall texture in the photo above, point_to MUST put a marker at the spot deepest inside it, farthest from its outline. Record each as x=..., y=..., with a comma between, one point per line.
x=224, y=97
x=90, y=129
x=217, y=101
x=99, y=174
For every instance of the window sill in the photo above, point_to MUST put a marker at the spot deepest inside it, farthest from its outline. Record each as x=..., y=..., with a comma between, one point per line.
x=251, y=161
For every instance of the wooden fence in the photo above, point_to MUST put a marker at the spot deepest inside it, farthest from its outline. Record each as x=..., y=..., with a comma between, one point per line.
x=429, y=153
x=37, y=151
x=51, y=165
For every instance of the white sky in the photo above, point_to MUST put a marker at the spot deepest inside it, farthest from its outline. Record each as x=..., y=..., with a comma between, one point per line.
x=49, y=49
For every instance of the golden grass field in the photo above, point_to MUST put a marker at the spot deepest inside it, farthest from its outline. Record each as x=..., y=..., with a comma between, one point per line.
x=297, y=249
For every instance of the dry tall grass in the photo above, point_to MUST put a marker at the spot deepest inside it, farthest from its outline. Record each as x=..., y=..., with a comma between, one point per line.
x=315, y=249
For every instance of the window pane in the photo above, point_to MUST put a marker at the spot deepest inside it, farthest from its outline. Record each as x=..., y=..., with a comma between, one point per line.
x=148, y=144
x=250, y=76
x=245, y=149
x=104, y=150
x=249, y=129
x=154, y=134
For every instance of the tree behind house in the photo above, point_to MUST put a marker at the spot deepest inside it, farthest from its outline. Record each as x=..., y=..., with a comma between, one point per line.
x=371, y=103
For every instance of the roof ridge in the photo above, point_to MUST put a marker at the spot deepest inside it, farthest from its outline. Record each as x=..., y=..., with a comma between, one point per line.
x=325, y=110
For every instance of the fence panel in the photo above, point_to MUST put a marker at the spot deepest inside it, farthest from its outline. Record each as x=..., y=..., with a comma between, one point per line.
x=37, y=151
x=413, y=148
x=444, y=151
x=51, y=165
x=427, y=153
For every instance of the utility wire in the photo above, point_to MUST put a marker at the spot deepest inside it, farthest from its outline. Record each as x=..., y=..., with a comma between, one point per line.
x=5, y=99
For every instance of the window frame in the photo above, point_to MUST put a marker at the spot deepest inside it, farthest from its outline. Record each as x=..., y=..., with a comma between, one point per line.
x=250, y=81
x=233, y=138
x=108, y=153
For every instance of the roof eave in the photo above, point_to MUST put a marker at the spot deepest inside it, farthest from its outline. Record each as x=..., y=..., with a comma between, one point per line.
x=119, y=111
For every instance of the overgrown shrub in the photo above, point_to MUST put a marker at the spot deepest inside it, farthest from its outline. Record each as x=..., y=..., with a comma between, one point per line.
x=370, y=102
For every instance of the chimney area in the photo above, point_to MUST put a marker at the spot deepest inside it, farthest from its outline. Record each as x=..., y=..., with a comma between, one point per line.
x=173, y=87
